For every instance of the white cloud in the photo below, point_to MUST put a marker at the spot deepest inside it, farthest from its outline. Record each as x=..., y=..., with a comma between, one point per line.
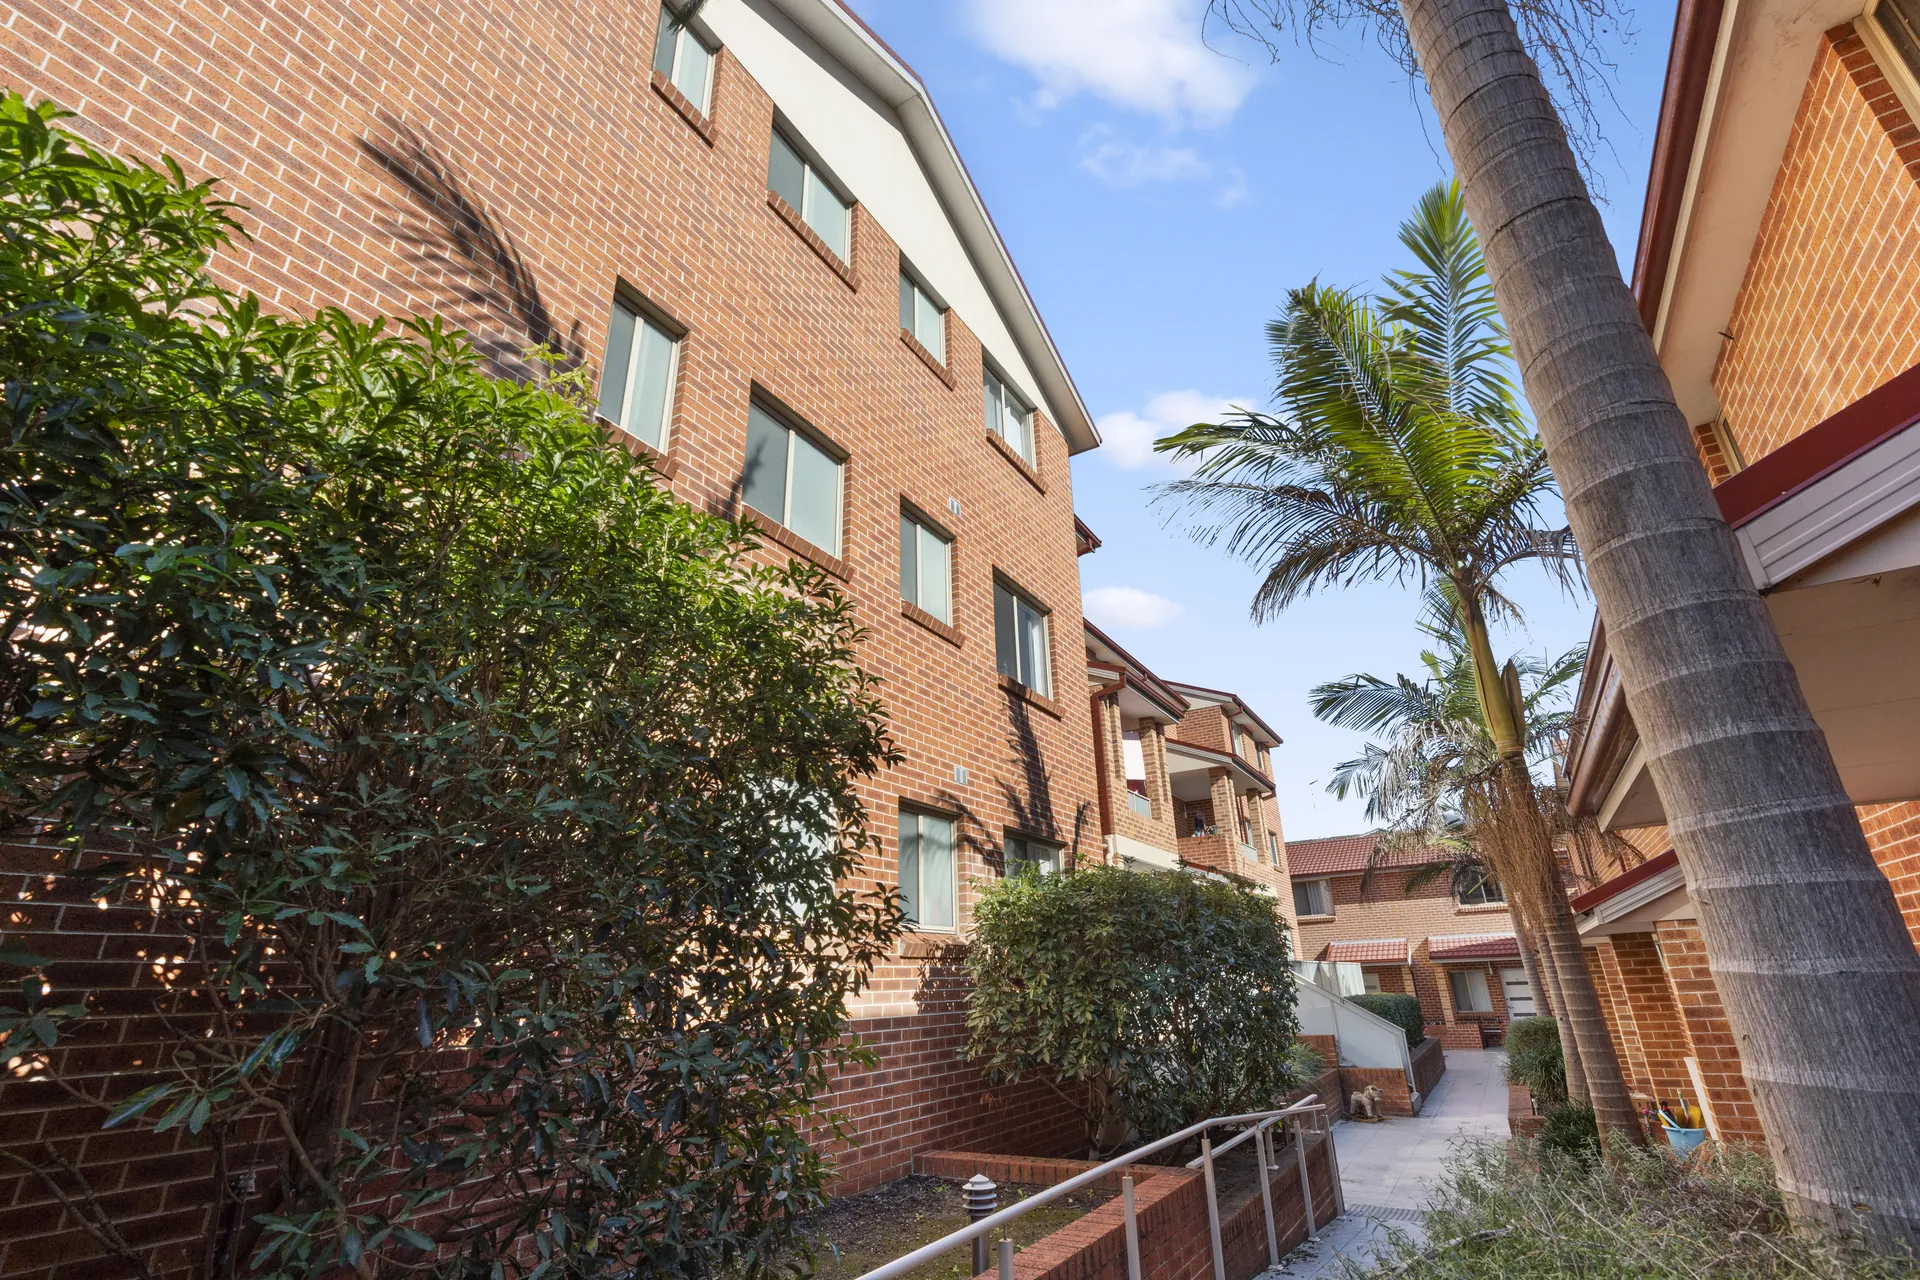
x=1128, y=164
x=1145, y=55
x=1127, y=437
x=1129, y=608
x=1235, y=192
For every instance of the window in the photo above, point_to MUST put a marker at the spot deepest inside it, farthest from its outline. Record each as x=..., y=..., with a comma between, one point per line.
x=1481, y=890
x=1898, y=23
x=926, y=568
x=1007, y=417
x=797, y=181
x=1470, y=991
x=1023, y=853
x=1273, y=846
x=1313, y=897
x=791, y=480
x=1371, y=980
x=926, y=870
x=681, y=56
x=1020, y=641
x=636, y=381
x=1134, y=761
x=922, y=317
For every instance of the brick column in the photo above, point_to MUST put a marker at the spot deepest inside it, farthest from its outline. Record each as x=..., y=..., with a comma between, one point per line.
x=1226, y=814
x=1648, y=1002
x=1709, y=1037
x=1621, y=1024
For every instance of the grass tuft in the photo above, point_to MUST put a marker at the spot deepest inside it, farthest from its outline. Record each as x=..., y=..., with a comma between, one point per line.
x=1645, y=1215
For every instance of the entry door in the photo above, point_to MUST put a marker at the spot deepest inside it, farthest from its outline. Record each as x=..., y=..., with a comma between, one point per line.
x=1519, y=994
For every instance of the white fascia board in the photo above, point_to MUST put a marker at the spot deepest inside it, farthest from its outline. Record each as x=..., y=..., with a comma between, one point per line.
x=1834, y=511
x=844, y=37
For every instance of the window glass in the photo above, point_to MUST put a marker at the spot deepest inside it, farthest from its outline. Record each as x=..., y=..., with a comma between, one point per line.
x=922, y=317
x=1482, y=890
x=926, y=870
x=1024, y=854
x=1020, y=641
x=1470, y=991
x=1134, y=760
x=1312, y=898
x=1273, y=847
x=636, y=380
x=826, y=213
x=787, y=174
x=679, y=55
x=925, y=568
x=1371, y=981
x=1900, y=20
x=791, y=480
x=1006, y=416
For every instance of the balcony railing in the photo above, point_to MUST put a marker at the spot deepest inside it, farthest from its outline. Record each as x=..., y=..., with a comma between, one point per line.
x=1139, y=804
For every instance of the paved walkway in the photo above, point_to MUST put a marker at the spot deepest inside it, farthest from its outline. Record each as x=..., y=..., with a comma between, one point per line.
x=1387, y=1169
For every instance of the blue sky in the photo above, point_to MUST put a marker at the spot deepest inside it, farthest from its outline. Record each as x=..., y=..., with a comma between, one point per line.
x=1160, y=197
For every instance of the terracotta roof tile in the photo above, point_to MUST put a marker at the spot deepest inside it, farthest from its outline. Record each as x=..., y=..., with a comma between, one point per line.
x=1342, y=855
x=1472, y=946
x=1368, y=951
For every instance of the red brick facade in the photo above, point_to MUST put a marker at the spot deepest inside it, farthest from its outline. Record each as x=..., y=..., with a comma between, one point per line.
x=512, y=166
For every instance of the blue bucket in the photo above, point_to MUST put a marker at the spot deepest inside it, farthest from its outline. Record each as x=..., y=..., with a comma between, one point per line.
x=1684, y=1140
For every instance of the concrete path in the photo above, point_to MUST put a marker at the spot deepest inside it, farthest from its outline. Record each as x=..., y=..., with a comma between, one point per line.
x=1387, y=1169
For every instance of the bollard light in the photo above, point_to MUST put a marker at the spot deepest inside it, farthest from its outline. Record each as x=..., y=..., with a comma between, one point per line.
x=983, y=1199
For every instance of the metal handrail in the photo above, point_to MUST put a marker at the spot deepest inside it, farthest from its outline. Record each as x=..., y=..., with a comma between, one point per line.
x=1259, y=1119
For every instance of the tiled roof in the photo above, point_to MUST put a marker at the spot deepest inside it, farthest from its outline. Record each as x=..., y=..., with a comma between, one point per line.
x=1472, y=946
x=1369, y=951
x=1342, y=855
x=1625, y=880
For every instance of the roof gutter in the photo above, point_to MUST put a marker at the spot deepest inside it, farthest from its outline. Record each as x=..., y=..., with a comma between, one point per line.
x=1696, y=33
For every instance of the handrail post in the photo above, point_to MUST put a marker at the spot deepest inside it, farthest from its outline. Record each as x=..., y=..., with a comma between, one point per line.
x=1306, y=1184
x=1006, y=1260
x=1333, y=1164
x=1213, y=1208
x=1133, y=1228
x=1263, y=1152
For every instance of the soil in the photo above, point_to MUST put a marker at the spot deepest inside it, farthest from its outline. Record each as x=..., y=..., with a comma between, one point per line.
x=852, y=1236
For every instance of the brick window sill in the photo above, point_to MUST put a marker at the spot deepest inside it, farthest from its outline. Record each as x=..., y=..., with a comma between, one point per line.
x=663, y=463
x=791, y=216
x=1314, y=919
x=679, y=101
x=928, y=944
x=1020, y=464
x=927, y=358
x=1480, y=909
x=801, y=547
x=914, y=613
x=1020, y=691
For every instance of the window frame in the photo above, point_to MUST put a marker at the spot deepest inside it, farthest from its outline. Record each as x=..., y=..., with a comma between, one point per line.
x=797, y=430
x=1481, y=886
x=1026, y=449
x=1049, y=866
x=1454, y=980
x=912, y=291
x=810, y=167
x=683, y=31
x=913, y=515
x=1902, y=74
x=1370, y=981
x=1325, y=884
x=1273, y=846
x=920, y=816
x=1003, y=586
x=644, y=316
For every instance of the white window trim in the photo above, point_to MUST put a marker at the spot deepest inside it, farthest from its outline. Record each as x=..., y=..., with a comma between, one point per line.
x=685, y=33
x=1045, y=615
x=1030, y=453
x=786, y=496
x=940, y=308
x=953, y=854
x=1888, y=59
x=912, y=516
x=1467, y=975
x=676, y=337
x=1327, y=888
x=810, y=166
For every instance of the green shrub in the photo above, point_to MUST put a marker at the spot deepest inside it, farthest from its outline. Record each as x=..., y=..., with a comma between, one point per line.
x=1571, y=1130
x=1163, y=997
x=1534, y=1059
x=1402, y=1011
x=506, y=812
x=1641, y=1214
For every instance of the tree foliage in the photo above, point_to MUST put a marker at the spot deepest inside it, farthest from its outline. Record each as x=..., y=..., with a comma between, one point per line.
x=1535, y=1060
x=1401, y=1010
x=501, y=805
x=1159, y=998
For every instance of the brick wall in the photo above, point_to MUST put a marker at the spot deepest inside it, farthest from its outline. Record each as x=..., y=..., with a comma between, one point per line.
x=1830, y=306
x=1893, y=833
x=1708, y=1032
x=506, y=163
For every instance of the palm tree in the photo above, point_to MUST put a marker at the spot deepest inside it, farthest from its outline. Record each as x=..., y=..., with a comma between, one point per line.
x=1426, y=780
x=1402, y=452
x=1808, y=948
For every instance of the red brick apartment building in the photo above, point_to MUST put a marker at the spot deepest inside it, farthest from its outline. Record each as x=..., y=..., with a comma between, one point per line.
x=1413, y=934
x=758, y=234
x=1186, y=775
x=1779, y=273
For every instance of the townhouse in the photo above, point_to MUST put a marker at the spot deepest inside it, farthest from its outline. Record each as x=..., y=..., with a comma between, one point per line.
x=755, y=233
x=1185, y=775
x=1413, y=930
x=1778, y=270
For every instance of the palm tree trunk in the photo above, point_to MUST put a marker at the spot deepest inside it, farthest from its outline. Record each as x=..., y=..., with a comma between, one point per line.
x=1820, y=980
x=1576, y=1074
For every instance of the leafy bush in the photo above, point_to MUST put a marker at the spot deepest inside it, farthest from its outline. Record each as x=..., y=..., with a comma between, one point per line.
x=1402, y=1011
x=1641, y=1214
x=1534, y=1059
x=498, y=806
x=1155, y=998
x=1571, y=1130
